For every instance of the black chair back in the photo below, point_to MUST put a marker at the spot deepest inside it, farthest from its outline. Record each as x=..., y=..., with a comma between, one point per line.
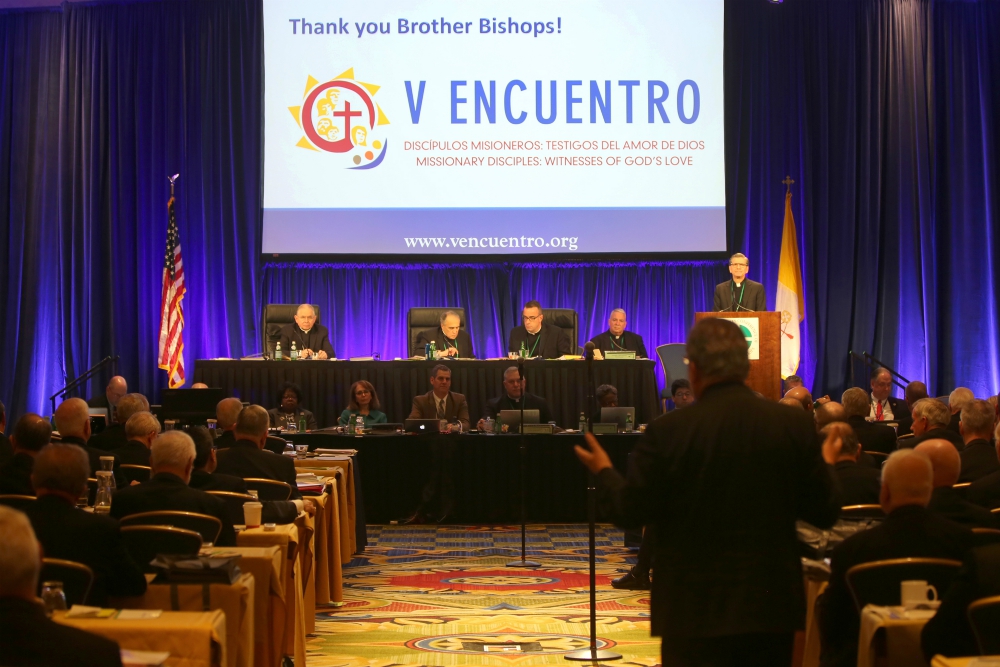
x=17, y=501
x=984, y=617
x=277, y=315
x=269, y=489
x=76, y=578
x=145, y=543
x=207, y=526
x=421, y=319
x=136, y=473
x=276, y=444
x=234, y=504
x=567, y=320
x=878, y=582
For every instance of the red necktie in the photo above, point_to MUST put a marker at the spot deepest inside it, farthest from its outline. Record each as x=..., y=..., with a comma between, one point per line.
x=878, y=411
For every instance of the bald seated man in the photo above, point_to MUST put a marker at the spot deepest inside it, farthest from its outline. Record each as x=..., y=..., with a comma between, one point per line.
x=792, y=403
x=114, y=392
x=829, y=412
x=802, y=395
x=113, y=437
x=311, y=339
x=859, y=485
x=226, y=413
x=945, y=500
x=909, y=531
x=73, y=423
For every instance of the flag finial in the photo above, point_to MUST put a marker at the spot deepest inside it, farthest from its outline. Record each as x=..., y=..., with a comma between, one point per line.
x=172, y=179
x=788, y=183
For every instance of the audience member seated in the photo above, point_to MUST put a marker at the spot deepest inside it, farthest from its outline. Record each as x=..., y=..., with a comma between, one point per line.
x=6, y=450
x=205, y=478
x=364, y=402
x=172, y=460
x=679, y=392
x=616, y=338
x=311, y=339
x=114, y=435
x=606, y=396
x=883, y=407
x=914, y=391
x=909, y=530
x=441, y=402
x=859, y=485
x=288, y=410
x=114, y=392
x=248, y=458
x=60, y=478
x=872, y=436
x=73, y=424
x=793, y=381
x=957, y=400
x=539, y=339
x=930, y=421
x=802, y=395
x=829, y=412
x=985, y=491
x=949, y=632
x=141, y=430
x=945, y=500
x=979, y=458
x=226, y=413
x=27, y=636
x=449, y=339
x=510, y=399
x=791, y=402
x=31, y=434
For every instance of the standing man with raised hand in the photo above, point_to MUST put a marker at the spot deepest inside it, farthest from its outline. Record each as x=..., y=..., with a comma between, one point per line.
x=312, y=340
x=723, y=483
x=739, y=293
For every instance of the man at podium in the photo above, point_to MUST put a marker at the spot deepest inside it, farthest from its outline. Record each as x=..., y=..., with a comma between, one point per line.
x=739, y=294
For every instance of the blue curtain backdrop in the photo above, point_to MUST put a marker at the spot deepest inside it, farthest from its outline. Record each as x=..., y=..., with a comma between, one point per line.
x=883, y=111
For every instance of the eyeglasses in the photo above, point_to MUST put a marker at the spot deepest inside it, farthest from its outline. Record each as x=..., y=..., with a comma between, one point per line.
x=362, y=392
x=531, y=318
x=738, y=264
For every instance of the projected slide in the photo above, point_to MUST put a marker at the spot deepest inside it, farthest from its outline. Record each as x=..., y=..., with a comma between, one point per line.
x=463, y=129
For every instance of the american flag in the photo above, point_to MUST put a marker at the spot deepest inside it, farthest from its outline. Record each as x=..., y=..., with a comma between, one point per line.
x=171, y=314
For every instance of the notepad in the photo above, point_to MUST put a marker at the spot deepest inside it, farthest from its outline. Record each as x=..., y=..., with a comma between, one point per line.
x=83, y=611
x=138, y=614
x=144, y=658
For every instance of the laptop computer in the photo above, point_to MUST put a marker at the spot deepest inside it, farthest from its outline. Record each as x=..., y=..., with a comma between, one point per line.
x=617, y=416
x=390, y=427
x=422, y=425
x=512, y=418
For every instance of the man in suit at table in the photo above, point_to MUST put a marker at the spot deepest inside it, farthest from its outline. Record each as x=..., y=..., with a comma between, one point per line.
x=226, y=413
x=930, y=421
x=172, y=459
x=510, y=399
x=312, y=340
x=884, y=407
x=616, y=338
x=248, y=458
x=60, y=478
x=441, y=402
x=739, y=294
x=979, y=458
x=873, y=437
x=449, y=339
x=114, y=392
x=141, y=430
x=538, y=338
x=27, y=635
x=728, y=588
x=114, y=435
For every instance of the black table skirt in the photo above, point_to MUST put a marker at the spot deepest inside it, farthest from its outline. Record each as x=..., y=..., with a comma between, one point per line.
x=326, y=384
x=394, y=469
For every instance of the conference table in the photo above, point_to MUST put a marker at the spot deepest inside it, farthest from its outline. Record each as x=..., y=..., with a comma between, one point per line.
x=326, y=383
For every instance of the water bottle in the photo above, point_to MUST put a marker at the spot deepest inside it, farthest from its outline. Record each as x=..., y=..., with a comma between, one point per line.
x=524, y=350
x=102, y=503
x=277, y=351
x=433, y=354
x=293, y=354
x=359, y=425
x=351, y=425
x=427, y=350
x=583, y=423
x=53, y=596
x=302, y=424
x=108, y=466
x=628, y=422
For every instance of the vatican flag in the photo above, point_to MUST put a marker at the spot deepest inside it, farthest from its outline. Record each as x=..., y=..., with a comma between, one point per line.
x=789, y=295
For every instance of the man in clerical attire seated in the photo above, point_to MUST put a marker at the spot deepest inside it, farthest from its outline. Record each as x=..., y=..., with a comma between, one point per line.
x=449, y=339
x=540, y=340
x=510, y=399
x=739, y=294
x=616, y=338
x=312, y=341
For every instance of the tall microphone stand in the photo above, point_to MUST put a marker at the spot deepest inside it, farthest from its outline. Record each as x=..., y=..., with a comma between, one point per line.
x=592, y=654
x=521, y=481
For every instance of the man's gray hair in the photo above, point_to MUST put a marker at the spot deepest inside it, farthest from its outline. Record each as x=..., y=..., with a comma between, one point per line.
x=20, y=560
x=253, y=421
x=959, y=398
x=856, y=402
x=141, y=424
x=61, y=467
x=719, y=350
x=173, y=449
x=848, y=437
x=448, y=313
x=227, y=411
x=128, y=405
x=309, y=306
x=511, y=370
x=977, y=418
x=618, y=310
x=739, y=255
x=935, y=411
x=909, y=475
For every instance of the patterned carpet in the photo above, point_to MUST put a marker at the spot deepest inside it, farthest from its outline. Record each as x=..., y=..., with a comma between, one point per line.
x=442, y=595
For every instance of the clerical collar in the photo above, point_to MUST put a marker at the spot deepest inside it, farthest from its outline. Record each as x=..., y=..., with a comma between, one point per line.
x=512, y=399
x=739, y=282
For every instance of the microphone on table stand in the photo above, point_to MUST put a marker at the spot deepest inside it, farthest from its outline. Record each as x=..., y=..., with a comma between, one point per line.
x=521, y=482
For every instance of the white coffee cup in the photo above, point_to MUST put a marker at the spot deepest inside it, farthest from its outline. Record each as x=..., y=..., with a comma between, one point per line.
x=916, y=592
x=251, y=514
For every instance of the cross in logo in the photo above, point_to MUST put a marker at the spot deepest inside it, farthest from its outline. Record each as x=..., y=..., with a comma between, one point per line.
x=347, y=114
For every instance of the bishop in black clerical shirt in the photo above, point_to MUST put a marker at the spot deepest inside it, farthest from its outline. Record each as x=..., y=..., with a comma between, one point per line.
x=616, y=338
x=312, y=340
x=540, y=339
x=510, y=399
x=449, y=338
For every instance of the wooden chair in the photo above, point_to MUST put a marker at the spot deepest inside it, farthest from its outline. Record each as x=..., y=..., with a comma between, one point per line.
x=878, y=582
x=207, y=526
x=985, y=536
x=879, y=457
x=76, y=578
x=862, y=512
x=962, y=488
x=17, y=501
x=136, y=473
x=984, y=617
x=234, y=504
x=269, y=489
x=145, y=543
x=995, y=510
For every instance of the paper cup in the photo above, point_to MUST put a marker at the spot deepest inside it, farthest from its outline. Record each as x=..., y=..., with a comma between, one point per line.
x=251, y=514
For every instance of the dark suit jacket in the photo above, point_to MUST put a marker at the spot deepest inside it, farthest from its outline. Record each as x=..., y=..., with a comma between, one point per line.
x=909, y=531
x=723, y=482
x=6, y=450
x=900, y=410
x=133, y=452
x=27, y=637
x=15, y=476
x=456, y=407
x=463, y=341
x=317, y=339
x=244, y=459
x=274, y=511
x=94, y=540
x=110, y=438
x=873, y=437
x=164, y=492
x=727, y=296
x=949, y=632
x=554, y=342
x=531, y=402
x=985, y=491
x=226, y=440
x=953, y=425
x=859, y=485
x=629, y=340
x=95, y=454
x=947, y=502
x=979, y=459
x=932, y=434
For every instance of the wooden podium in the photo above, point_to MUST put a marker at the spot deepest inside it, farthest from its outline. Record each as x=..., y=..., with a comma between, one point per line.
x=765, y=372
